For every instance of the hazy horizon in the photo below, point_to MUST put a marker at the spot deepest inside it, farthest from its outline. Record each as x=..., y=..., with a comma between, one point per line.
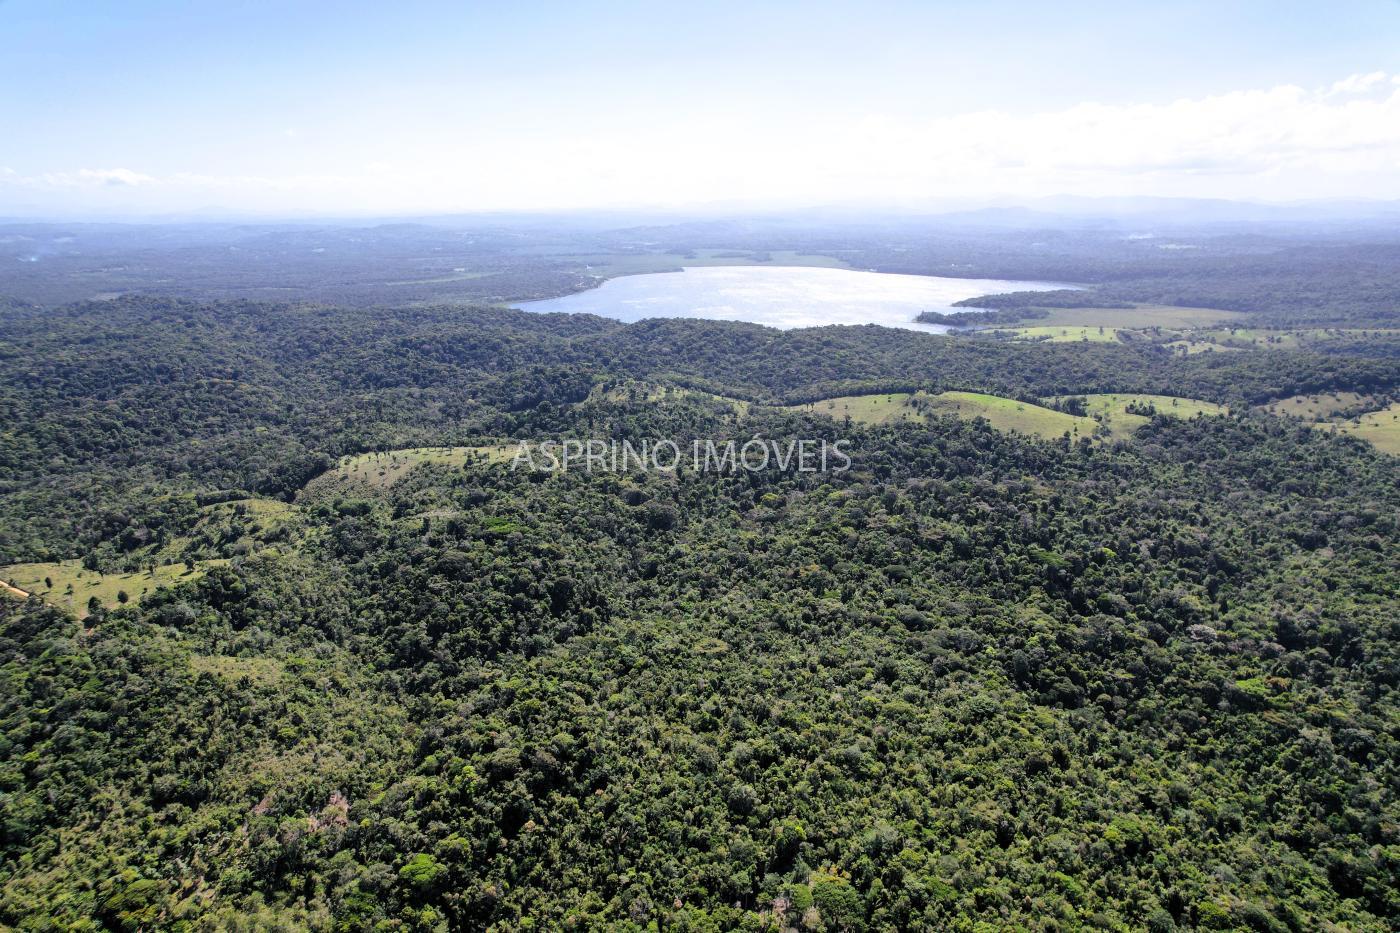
x=1053, y=207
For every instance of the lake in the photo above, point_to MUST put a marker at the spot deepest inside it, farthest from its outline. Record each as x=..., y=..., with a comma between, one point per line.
x=780, y=296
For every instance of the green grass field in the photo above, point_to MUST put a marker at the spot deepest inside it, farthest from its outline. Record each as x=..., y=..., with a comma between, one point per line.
x=1318, y=407
x=73, y=586
x=1189, y=346
x=1056, y=333
x=1003, y=414
x=1255, y=338
x=865, y=409
x=1110, y=325
x=369, y=474
x=1185, y=330
x=1007, y=414
x=1144, y=316
x=1112, y=410
x=1252, y=338
x=1138, y=317
x=1380, y=428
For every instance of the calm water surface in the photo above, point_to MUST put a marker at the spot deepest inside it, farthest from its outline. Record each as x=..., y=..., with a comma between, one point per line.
x=781, y=296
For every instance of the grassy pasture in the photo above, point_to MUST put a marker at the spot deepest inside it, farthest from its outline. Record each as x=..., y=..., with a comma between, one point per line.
x=1319, y=407
x=1380, y=428
x=73, y=585
x=1190, y=346
x=371, y=473
x=1056, y=333
x=1143, y=316
x=1252, y=338
x=1112, y=410
x=865, y=409
x=1110, y=325
x=1008, y=414
x=1257, y=338
x=1004, y=414
x=1138, y=317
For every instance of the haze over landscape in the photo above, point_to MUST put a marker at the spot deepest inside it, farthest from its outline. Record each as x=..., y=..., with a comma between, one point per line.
x=786, y=468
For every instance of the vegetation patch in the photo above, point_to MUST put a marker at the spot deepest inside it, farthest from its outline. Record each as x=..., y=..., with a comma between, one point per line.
x=263, y=672
x=1009, y=414
x=1259, y=338
x=1137, y=317
x=1359, y=415
x=866, y=409
x=69, y=585
x=1122, y=415
x=1056, y=333
x=1004, y=414
x=1144, y=316
x=1188, y=346
x=1380, y=428
x=1320, y=406
x=636, y=391
x=372, y=473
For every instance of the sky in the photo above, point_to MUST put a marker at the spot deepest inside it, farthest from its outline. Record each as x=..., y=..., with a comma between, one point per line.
x=412, y=107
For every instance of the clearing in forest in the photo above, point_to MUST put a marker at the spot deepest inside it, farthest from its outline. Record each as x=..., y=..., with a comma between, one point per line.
x=69, y=585
x=865, y=409
x=1008, y=414
x=1380, y=428
x=372, y=473
x=1319, y=406
x=635, y=391
x=1139, y=317
x=1064, y=333
x=1004, y=414
x=1258, y=338
x=1123, y=414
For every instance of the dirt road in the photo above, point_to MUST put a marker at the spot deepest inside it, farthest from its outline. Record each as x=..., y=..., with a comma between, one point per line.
x=13, y=590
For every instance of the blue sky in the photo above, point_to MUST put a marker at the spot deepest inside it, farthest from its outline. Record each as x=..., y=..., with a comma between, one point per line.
x=419, y=106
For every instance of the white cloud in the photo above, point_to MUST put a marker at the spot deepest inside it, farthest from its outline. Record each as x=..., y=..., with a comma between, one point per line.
x=1281, y=143
x=83, y=178
x=1359, y=83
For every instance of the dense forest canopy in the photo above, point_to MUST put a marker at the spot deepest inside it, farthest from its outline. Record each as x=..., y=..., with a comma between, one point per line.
x=113, y=399
x=301, y=649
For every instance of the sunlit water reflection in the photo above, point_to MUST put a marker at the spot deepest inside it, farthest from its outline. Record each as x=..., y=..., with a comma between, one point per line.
x=781, y=296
